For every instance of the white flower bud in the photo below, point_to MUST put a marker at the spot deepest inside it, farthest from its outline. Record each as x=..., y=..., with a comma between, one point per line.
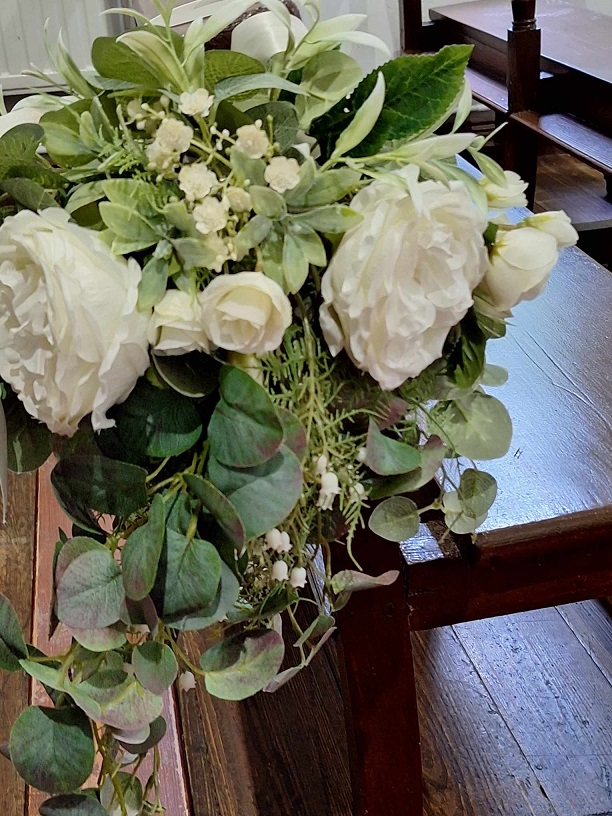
x=362, y=454
x=298, y=577
x=330, y=488
x=511, y=194
x=210, y=215
x=557, y=224
x=186, y=681
x=321, y=465
x=273, y=539
x=280, y=571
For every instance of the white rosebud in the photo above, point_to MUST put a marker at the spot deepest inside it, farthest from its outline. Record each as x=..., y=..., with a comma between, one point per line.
x=425, y=241
x=282, y=174
x=362, y=454
x=330, y=488
x=252, y=141
x=187, y=681
x=196, y=103
x=238, y=199
x=196, y=181
x=246, y=312
x=72, y=341
x=280, y=571
x=521, y=262
x=298, y=577
x=176, y=325
x=210, y=215
x=557, y=224
x=511, y=194
x=321, y=465
x=273, y=539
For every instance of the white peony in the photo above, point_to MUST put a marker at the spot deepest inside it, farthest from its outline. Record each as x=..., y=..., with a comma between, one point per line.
x=246, y=312
x=176, y=326
x=404, y=277
x=510, y=194
x=71, y=339
x=521, y=262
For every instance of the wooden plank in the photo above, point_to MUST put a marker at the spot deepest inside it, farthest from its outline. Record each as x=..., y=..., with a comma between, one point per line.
x=586, y=143
x=565, y=183
x=472, y=764
x=556, y=702
x=489, y=91
x=592, y=624
x=16, y=557
x=50, y=520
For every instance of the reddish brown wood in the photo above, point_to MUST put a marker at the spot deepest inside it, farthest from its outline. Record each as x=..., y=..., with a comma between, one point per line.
x=379, y=689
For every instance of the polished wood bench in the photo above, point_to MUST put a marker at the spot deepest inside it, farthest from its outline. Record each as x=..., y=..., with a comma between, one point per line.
x=547, y=541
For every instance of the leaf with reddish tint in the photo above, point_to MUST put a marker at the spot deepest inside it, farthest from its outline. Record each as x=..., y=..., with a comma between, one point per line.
x=388, y=457
x=219, y=506
x=244, y=664
x=295, y=434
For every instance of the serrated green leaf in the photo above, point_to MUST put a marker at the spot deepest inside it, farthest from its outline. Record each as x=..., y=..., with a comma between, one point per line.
x=242, y=665
x=220, y=64
x=396, y=519
x=284, y=121
x=362, y=124
x=28, y=193
x=115, y=60
x=53, y=749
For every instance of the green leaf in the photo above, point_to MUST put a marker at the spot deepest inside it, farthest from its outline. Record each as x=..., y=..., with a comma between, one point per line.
x=333, y=220
x=254, y=233
x=247, y=169
x=141, y=552
x=71, y=550
x=477, y=426
x=21, y=142
x=330, y=187
x=420, y=92
x=157, y=731
x=115, y=60
x=265, y=495
x=284, y=122
x=229, y=591
x=120, y=699
x=30, y=443
x=90, y=592
x=188, y=577
x=327, y=78
x=235, y=86
x=131, y=787
x=53, y=749
x=100, y=640
x=83, y=195
x=73, y=804
x=155, y=666
x=295, y=264
x=152, y=286
x=128, y=223
x=353, y=581
x=455, y=516
x=220, y=64
x=477, y=492
x=157, y=422
x=362, y=124
x=268, y=203
x=396, y=519
x=494, y=376
x=295, y=433
x=86, y=482
x=389, y=457
x=194, y=375
x=432, y=456
x=219, y=506
x=244, y=430
x=62, y=139
x=12, y=644
x=466, y=360
x=28, y=193
x=244, y=664
x=310, y=244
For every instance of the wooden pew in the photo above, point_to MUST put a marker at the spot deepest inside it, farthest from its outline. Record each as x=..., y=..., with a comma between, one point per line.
x=547, y=541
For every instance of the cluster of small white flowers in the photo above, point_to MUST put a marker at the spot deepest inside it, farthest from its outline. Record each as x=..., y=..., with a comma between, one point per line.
x=330, y=484
x=172, y=138
x=197, y=181
x=211, y=215
x=196, y=103
x=253, y=141
x=278, y=541
x=297, y=577
x=282, y=174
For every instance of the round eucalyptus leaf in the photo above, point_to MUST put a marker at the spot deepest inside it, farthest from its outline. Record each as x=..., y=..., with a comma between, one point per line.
x=52, y=749
x=219, y=506
x=72, y=804
x=12, y=644
x=100, y=640
x=141, y=552
x=396, y=519
x=90, y=592
x=476, y=426
x=228, y=593
x=243, y=664
x=157, y=731
x=194, y=375
x=389, y=457
x=122, y=701
x=155, y=666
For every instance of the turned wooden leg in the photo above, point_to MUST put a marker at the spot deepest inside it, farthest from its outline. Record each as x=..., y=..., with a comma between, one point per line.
x=380, y=697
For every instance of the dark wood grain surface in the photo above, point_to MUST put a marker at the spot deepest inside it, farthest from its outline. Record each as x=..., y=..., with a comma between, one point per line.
x=572, y=37
x=16, y=559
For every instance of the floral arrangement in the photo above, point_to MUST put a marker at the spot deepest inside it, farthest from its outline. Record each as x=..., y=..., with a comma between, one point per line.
x=245, y=295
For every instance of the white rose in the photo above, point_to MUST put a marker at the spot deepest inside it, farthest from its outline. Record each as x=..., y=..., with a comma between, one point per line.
x=176, y=326
x=557, y=224
x=521, y=262
x=510, y=194
x=404, y=277
x=246, y=312
x=71, y=339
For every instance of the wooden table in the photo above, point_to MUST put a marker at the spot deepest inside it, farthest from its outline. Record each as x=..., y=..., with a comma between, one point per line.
x=548, y=539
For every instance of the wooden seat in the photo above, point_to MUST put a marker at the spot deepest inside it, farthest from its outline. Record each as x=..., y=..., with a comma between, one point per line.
x=547, y=540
